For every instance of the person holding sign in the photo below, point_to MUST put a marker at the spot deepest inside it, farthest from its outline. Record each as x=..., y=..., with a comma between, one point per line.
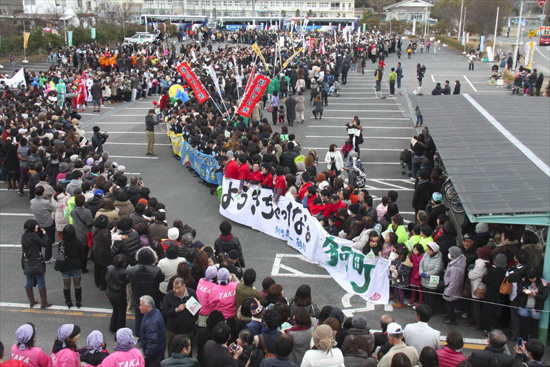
x=179, y=318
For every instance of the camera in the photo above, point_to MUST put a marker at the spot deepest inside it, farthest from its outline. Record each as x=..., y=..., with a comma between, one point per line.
x=103, y=136
x=233, y=348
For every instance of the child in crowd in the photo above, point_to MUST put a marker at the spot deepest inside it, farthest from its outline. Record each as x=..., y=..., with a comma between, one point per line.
x=400, y=272
x=282, y=112
x=416, y=256
x=332, y=225
x=390, y=245
x=382, y=208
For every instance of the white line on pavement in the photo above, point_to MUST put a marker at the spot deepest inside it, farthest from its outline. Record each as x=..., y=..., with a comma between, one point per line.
x=116, y=123
x=135, y=132
x=367, y=118
x=392, y=185
x=161, y=144
x=366, y=137
x=132, y=115
x=132, y=157
x=469, y=82
x=9, y=245
x=365, y=127
x=362, y=104
x=60, y=308
x=433, y=79
x=378, y=111
x=16, y=214
x=362, y=149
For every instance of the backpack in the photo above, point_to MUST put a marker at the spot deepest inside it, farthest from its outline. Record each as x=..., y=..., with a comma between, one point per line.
x=359, y=139
x=326, y=87
x=264, y=347
x=330, y=79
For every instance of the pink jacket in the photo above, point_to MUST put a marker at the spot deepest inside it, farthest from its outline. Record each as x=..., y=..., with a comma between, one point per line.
x=223, y=298
x=133, y=358
x=415, y=276
x=32, y=357
x=66, y=357
x=204, y=288
x=449, y=357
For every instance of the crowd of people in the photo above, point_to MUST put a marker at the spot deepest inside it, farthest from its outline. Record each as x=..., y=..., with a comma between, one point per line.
x=84, y=202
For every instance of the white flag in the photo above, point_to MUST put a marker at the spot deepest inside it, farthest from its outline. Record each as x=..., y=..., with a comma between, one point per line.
x=16, y=80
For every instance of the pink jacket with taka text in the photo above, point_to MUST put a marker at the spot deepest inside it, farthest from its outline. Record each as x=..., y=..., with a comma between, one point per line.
x=204, y=289
x=223, y=299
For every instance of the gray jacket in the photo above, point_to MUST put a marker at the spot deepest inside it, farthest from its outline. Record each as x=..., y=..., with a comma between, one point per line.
x=454, y=279
x=82, y=222
x=430, y=265
x=42, y=211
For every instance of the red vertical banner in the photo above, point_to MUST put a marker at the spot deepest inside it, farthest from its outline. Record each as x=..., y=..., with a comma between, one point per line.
x=200, y=92
x=253, y=95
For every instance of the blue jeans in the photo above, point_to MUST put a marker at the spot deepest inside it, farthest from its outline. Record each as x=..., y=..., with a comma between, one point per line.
x=529, y=312
x=419, y=120
x=40, y=279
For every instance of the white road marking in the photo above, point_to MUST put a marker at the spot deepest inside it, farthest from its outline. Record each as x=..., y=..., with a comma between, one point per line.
x=365, y=118
x=511, y=138
x=368, y=149
x=16, y=214
x=293, y=273
x=378, y=111
x=362, y=104
x=59, y=308
x=433, y=79
x=537, y=48
x=136, y=132
x=364, y=127
x=346, y=299
x=392, y=185
x=161, y=144
x=365, y=137
x=469, y=82
x=9, y=245
x=133, y=157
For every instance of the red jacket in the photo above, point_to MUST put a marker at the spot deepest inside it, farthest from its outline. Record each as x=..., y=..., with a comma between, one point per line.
x=267, y=181
x=256, y=177
x=303, y=190
x=449, y=357
x=163, y=100
x=232, y=170
x=331, y=208
x=244, y=172
x=280, y=183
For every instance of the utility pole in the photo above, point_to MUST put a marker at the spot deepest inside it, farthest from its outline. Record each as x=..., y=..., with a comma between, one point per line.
x=517, y=36
x=495, y=36
x=460, y=23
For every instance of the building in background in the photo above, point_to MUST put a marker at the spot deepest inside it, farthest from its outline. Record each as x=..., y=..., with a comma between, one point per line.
x=409, y=10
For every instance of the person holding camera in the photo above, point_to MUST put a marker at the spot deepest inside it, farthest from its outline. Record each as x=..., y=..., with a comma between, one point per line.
x=150, y=123
x=98, y=139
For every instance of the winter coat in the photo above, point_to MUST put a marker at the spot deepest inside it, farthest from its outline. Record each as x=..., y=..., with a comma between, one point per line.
x=476, y=274
x=59, y=207
x=112, y=215
x=542, y=293
x=73, y=251
x=415, y=274
x=82, y=222
x=178, y=322
x=128, y=247
x=31, y=244
x=145, y=280
x=338, y=161
x=158, y=230
x=116, y=280
x=223, y=297
x=355, y=333
x=153, y=334
x=493, y=279
x=403, y=273
x=133, y=357
x=290, y=104
x=430, y=265
x=224, y=244
x=65, y=357
x=449, y=357
x=31, y=357
x=454, y=279
x=302, y=341
x=445, y=242
x=507, y=248
x=101, y=246
x=482, y=358
x=359, y=359
x=534, y=250
x=124, y=208
x=180, y=360
x=300, y=103
x=317, y=358
x=421, y=195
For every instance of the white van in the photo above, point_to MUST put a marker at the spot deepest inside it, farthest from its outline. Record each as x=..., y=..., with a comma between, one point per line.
x=140, y=37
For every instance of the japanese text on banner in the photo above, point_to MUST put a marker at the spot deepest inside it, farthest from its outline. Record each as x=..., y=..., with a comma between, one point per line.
x=193, y=81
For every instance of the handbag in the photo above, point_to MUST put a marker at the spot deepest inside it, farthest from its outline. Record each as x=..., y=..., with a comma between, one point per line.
x=480, y=293
x=270, y=108
x=506, y=286
x=332, y=170
x=467, y=289
x=33, y=266
x=60, y=258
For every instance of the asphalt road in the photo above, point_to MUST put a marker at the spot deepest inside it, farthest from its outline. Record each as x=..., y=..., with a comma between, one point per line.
x=388, y=128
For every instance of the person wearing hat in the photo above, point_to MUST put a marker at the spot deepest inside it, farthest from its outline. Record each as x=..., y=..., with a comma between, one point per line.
x=435, y=208
x=359, y=329
x=468, y=249
x=125, y=353
x=204, y=289
x=454, y=282
x=491, y=308
x=478, y=287
x=223, y=298
x=24, y=349
x=256, y=324
x=64, y=352
x=395, y=338
x=325, y=352
x=179, y=320
x=95, y=351
x=430, y=269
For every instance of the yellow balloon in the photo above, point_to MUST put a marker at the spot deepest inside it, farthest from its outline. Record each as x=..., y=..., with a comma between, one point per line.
x=174, y=90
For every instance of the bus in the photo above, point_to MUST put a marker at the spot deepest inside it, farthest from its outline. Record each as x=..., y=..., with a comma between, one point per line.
x=183, y=22
x=324, y=24
x=261, y=23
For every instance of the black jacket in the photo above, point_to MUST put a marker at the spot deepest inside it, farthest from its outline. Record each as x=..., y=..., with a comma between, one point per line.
x=481, y=358
x=493, y=279
x=178, y=322
x=73, y=251
x=31, y=243
x=225, y=246
x=421, y=195
x=101, y=246
x=93, y=204
x=218, y=355
x=145, y=280
x=128, y=247
x=542, y=293
x=116, y=282
x=150, y=123
x=287, y=160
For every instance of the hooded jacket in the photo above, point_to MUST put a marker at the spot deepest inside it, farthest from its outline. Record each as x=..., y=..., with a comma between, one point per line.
x=430, y=265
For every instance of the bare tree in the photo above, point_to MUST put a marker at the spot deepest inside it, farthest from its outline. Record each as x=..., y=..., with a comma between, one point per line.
x=447, y=10
x=482, y=14
x=379, y=5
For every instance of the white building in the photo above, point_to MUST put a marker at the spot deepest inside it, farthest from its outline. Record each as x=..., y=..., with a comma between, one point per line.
x=210, y=8
x=408, y=10
x=75, y=12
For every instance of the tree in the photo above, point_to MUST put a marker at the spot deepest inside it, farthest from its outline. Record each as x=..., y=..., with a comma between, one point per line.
x=448, y=11
x=482, y=14
x=214, y=12
x=309, y=13
x=283, y=13
x=379, y=5
x=297, y=14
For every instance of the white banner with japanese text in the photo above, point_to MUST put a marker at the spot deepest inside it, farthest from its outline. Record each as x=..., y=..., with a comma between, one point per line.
x=291, y=222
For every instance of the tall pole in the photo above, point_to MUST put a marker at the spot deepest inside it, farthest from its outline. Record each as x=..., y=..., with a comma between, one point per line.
x=495, y=36
x=543, y=330
x=517, y=36
x=460, y=23
x=464, y=26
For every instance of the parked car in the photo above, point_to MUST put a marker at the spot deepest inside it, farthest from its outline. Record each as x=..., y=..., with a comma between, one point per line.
x=545, y=40
x=140, y=38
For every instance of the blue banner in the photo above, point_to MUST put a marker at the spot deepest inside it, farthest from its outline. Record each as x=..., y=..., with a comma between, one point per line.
x=204, y=165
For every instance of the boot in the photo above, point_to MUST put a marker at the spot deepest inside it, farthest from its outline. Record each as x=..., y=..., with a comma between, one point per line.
x=78, y=297
x=44, y=298
x=30, y=296
x=67, y=294
x=9, y=185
